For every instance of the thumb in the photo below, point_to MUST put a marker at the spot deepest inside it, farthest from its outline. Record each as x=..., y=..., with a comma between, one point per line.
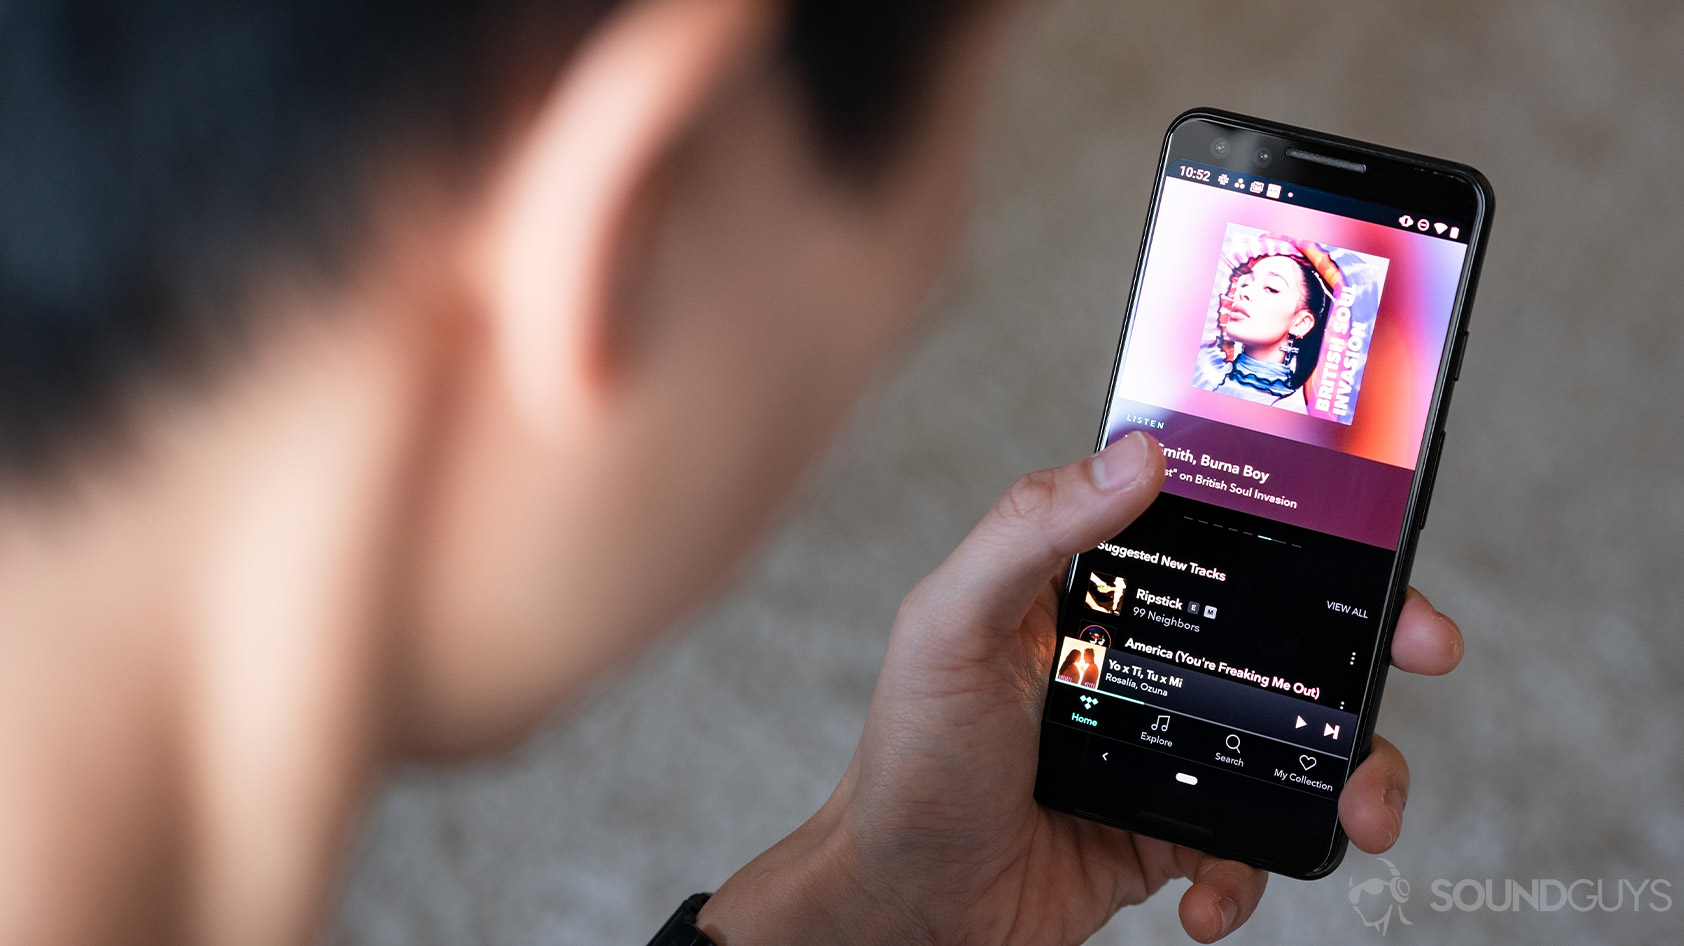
x=1027, y=539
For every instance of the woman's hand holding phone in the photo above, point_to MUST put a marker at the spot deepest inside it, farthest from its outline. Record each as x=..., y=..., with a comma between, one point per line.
x=933, y=834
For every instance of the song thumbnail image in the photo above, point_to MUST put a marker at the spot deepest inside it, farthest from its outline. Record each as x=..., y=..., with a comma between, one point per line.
x=1079, y=662
x=1105, y=593
x=1096, y=634
x=1289, y=323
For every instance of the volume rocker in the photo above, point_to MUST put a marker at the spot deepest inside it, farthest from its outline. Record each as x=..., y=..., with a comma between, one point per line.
x=1427, y=483
x=1456, y=356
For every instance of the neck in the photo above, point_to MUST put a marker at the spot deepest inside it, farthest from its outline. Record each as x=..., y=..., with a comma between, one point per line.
x=192, y=657
x=1274, y=354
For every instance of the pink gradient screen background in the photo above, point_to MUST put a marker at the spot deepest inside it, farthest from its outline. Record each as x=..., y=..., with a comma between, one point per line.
x=1174, y=298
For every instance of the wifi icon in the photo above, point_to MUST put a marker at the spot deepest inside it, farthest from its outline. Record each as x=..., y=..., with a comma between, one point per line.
x=1441, y=227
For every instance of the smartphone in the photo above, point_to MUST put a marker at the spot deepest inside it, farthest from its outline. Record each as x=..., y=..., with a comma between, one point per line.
x=1296, y=324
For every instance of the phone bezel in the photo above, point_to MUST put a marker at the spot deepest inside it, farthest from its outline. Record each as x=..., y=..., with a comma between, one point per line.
x=1442, y=189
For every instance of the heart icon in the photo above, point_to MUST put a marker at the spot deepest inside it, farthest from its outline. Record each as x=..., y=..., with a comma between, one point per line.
x=1307, y=761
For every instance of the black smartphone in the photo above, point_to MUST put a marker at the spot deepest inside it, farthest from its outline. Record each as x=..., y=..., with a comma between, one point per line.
x=1296, y=324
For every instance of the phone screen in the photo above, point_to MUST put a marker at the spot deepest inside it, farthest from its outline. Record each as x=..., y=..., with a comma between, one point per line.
x=1285, y=345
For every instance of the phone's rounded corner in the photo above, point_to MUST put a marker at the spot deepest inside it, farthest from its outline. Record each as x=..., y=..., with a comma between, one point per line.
x=1195, y=113
x=1487, y=192
x=1335, y=857
x=1205, y=113
x=1202, y=113
x=1479, y=184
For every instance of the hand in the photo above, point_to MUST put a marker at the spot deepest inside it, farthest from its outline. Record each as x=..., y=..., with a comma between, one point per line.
x=933, y=834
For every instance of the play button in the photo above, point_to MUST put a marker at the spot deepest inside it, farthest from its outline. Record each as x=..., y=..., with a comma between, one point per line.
x=1300, y=724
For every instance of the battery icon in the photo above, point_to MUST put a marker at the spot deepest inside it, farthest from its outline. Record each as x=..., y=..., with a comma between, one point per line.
x=1455, y=233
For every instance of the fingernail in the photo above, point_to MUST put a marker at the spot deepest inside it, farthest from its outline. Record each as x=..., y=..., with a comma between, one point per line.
x=1229, y=910
x=1121, y=463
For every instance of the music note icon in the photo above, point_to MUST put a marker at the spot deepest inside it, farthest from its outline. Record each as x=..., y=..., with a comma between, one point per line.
x=1162, y=723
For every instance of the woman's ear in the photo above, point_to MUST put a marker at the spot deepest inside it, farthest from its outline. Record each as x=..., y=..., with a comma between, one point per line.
x=559, y=220
x=1303, y=324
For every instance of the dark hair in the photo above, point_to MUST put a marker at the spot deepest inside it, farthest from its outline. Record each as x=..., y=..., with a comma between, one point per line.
x=1316, y=300
x=153, y=153
x=1320, y=305
x=1070, y=660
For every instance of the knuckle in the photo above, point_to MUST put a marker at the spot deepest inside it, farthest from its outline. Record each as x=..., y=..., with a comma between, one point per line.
x=913, y=605
x=1030, y=498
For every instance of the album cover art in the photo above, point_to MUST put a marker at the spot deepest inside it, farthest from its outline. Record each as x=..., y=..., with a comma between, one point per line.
x=1105, y=593
x=1079, y=662
x=1289, y=323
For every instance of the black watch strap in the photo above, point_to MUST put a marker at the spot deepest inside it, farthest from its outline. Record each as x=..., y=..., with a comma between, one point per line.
x=681, y=929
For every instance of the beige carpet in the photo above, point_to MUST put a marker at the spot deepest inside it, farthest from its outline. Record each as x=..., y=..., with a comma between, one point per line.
x=1553, y=754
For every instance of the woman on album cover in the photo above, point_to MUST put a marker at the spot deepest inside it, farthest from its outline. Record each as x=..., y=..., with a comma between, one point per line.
x=1270, y=324
x=1071, y=670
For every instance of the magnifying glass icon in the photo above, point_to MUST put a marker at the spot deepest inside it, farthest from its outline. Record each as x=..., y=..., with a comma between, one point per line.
x=1234, y=741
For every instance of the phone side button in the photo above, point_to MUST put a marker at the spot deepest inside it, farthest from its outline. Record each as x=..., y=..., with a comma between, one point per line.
x=1456, y=357
x=1432, y=478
